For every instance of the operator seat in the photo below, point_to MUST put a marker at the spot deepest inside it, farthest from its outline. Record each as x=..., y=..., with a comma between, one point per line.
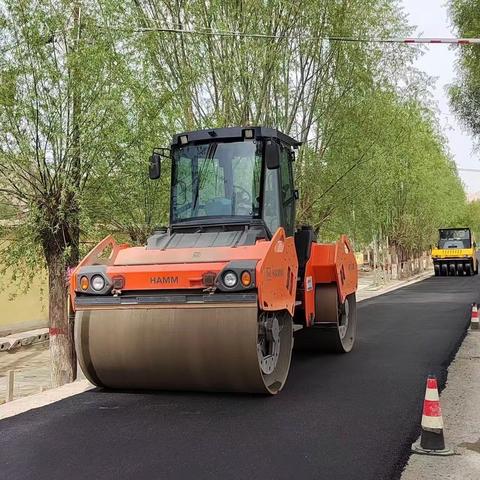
x=304, y=237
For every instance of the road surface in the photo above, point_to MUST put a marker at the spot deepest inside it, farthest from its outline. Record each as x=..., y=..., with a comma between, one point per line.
x=339, y=417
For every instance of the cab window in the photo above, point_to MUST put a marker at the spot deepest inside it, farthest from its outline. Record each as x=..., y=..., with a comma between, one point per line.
x=288, y=191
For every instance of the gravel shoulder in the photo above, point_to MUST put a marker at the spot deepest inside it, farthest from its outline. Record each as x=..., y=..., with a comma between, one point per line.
x=31, y=365
x=460, y=402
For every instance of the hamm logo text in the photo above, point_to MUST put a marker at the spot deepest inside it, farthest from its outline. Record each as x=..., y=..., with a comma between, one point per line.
x=164, y=280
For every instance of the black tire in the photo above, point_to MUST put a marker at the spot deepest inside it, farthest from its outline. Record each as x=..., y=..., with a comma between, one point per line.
x=336, y=324
x=468, y=269
x=436, y=269
x=444, y=270
x=460, y=270
x=451, y=270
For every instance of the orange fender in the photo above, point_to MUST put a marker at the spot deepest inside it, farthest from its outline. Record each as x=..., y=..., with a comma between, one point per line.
x=277, y=274
x=330, y=263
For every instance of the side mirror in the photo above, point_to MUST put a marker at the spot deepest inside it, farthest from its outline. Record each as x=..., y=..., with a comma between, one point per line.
x=154, y=168
x=474, y=244
x=272, y=154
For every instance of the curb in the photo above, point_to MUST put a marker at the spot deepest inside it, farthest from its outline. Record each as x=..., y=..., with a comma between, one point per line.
x=47, y=397
x=16, y=340
x=390, y=288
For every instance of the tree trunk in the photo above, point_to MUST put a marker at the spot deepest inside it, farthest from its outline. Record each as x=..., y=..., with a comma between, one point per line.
x=62, y=346
x=62, y=349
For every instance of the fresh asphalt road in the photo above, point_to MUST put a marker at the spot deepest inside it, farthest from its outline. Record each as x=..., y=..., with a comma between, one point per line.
x=339, y=417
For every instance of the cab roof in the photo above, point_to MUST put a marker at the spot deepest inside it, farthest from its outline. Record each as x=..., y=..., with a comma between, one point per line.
x=232, y=134
x=453, y=228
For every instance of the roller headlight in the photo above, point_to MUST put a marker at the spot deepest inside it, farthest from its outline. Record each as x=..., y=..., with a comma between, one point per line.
x=246, y=278
x=230, y=279
x=97, y=282
x=84, y=283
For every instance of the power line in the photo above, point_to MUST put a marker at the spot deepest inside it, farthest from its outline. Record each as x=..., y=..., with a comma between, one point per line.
x=333, y=38
x=205, y=31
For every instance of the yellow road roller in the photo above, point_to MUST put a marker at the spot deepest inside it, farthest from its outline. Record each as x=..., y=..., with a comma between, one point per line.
x=456, y=253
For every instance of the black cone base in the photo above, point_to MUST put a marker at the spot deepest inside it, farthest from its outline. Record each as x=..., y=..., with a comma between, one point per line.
x=432, y=441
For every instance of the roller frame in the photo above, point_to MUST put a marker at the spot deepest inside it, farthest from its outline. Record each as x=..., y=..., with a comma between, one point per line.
x=151, y=342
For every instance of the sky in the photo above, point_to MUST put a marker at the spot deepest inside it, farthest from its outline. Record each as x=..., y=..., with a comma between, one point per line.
x=431, y=20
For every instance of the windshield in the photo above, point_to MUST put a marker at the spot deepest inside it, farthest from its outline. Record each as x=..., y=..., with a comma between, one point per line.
x=454, y=239
x=216, y=180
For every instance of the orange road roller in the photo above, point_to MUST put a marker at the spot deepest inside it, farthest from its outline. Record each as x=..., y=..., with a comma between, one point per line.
x=217, y=300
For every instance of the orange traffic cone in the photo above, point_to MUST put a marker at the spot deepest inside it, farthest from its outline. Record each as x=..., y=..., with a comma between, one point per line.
x=432, y=441
x=474, y=324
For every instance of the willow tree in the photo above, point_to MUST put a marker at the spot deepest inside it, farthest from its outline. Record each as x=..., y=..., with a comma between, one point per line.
x=290, y=76
x=61, y=97
x=465, y=93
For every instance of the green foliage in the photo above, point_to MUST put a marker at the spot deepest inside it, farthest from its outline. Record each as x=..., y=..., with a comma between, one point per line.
x=87, y=90
x=405, y=186
x=471, y=219
x=465, y=93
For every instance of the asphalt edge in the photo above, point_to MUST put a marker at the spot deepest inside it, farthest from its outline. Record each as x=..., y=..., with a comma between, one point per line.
x=42, y=399
x=391, y=288
x=442, y=378
x=462, y=418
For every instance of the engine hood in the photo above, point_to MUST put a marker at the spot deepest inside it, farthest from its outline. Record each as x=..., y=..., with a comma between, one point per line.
x=145, y=256
x=167, y=248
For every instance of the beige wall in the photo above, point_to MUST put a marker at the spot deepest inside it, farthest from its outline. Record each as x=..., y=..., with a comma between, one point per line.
x=359, y=258
x=26, y=310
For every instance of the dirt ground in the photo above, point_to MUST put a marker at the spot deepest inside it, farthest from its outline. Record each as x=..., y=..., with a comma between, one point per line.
x=32, y=370
x=460, y=402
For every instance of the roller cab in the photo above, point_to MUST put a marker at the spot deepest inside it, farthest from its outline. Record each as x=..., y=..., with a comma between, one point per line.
x=213, y=300
x=455, y=253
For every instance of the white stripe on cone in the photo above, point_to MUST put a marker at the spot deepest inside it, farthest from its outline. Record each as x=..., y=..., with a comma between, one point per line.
x=432, y=394
x=432, y=422
x=474, y=320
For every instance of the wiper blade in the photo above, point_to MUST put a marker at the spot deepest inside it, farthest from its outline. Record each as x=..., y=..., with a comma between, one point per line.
x=209, y=156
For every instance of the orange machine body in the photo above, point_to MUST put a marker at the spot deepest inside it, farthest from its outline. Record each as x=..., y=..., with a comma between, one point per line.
x=329, y=263
x=186, y=269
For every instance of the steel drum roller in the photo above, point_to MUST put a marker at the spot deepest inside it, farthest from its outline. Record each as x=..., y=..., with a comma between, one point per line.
x=209, y=348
